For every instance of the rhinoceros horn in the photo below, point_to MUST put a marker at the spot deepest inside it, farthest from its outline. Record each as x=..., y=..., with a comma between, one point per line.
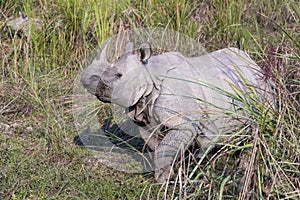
x=102, y=56
x=89, y=77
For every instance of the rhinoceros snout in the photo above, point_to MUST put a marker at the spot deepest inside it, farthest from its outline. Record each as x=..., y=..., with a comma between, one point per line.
x=87, y=79
x=90, y=82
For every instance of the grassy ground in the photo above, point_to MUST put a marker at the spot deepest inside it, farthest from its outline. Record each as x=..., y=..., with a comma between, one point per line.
x=39, y=159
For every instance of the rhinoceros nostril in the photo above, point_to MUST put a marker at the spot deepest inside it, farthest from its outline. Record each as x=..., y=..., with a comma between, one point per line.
x=95, y=78
x=118, y=75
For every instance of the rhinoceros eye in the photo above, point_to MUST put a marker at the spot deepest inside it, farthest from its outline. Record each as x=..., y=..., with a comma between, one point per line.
x=118, y=75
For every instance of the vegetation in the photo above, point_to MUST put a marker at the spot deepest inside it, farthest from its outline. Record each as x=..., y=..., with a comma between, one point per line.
x=39, y=158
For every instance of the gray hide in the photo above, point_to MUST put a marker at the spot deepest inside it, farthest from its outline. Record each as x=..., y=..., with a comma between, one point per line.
x=173, y=95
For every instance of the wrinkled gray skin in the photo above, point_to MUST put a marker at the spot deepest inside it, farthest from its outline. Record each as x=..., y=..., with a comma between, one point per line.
x=157, y=96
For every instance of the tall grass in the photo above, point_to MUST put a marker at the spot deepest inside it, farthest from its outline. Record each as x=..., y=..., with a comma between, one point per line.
x=38, y=155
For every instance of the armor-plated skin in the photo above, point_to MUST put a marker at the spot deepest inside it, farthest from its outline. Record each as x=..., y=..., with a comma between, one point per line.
x=184, y=99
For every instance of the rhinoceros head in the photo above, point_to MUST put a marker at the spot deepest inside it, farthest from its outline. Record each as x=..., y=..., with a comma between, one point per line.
x=123, y=82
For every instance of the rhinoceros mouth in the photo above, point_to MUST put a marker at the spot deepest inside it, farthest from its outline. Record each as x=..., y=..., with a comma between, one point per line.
x=98, y=87
x=103, y=92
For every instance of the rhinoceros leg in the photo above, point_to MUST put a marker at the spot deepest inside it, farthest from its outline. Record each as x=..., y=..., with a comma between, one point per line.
x=151, y=140
x=172, y=146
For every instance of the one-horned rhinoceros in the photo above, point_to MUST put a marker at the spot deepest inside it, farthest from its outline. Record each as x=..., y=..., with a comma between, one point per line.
x=176, y=100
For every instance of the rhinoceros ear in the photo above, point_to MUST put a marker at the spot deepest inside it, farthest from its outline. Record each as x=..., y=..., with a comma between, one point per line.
x=144, y=52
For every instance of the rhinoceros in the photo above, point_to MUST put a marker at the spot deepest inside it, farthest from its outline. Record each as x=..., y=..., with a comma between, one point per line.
x=177, y=100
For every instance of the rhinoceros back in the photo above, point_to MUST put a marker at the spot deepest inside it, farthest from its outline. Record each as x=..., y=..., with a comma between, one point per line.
x=197, y=90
